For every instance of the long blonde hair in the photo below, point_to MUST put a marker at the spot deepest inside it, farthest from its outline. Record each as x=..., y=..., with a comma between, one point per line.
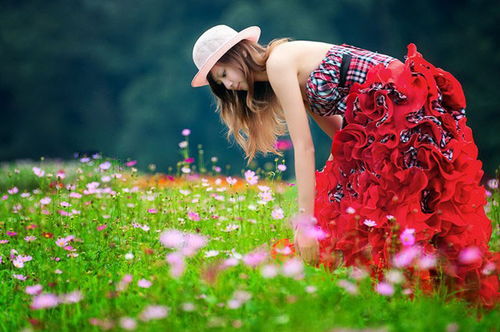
x=253, y=117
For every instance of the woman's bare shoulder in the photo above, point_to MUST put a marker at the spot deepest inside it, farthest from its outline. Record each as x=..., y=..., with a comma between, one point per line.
x=299, y=47
x=297, y=51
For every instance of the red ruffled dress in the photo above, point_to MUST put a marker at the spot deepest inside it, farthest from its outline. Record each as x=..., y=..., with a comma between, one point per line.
x=404, y=160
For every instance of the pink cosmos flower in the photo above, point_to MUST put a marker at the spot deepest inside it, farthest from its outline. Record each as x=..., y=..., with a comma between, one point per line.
x=19, y=277
x=69, y=238
x=173, y=239
x=211, y=253
x=234, y=304
x=131, y=163
x=34, y=290
x=144, y=283
x=186, y=132
x=45, y=201
x=266, y=196
x=350, y=210
x=61, y=174
x=407, y=237
x=229, y=262
x=193, y=216
x=348, y=286
x=154, y=312
x=64, y=213
x=251, y=178
x=370, y=223
x=104, y=324
x=193, y=242
x=64, y=204
x=293, y=268
x=105, y=165
x=384, y=288
x=61, y=242
x=284, y=144
x=153, y=211
x=177, y=264
x=30, y=238
x=44, y=301
x=406, y=256
x=314, y=232
x=231, y=181
x=72, y=297
x=189, y=160
x=278, y=214
x=488, y=268
x=75, y=195
x=263, y=188
x=102, y=227
x=13, y=191
x=426, y=262
x=493, y=184
x=269, y=271
x=254, y=259
x=9, y=233
x=238, y=299
x=123, y=284
x=469, y=255
x=38, y=171
x=128, y=323
x=281, y=167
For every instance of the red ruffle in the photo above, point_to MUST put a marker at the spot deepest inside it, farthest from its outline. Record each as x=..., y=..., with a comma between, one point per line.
x=406, y=151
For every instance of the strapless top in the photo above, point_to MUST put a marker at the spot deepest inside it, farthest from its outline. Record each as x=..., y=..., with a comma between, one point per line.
x=324, y=95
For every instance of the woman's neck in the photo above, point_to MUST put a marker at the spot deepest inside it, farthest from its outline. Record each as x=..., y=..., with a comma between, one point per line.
x=260, y=76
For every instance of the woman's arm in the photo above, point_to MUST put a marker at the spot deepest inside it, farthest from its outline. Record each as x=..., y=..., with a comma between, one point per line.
x=282, y=73
x=329, y=124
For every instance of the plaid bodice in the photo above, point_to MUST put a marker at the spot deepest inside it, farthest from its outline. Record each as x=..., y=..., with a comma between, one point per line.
x=322, y=88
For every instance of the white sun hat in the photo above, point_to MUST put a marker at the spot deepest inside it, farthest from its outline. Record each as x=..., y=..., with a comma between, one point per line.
x=213, y=44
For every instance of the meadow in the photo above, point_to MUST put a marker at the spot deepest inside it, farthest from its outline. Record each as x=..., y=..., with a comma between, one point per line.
x=94, y=244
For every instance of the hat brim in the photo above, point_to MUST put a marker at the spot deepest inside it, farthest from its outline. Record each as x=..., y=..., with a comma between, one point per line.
x=251, y=33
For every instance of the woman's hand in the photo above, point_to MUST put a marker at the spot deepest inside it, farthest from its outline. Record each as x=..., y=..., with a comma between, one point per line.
x=306, y=246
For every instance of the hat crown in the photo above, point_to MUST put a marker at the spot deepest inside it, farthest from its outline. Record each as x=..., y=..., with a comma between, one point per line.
x=210, y=41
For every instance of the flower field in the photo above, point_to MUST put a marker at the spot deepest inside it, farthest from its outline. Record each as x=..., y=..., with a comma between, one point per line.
x=94, y=245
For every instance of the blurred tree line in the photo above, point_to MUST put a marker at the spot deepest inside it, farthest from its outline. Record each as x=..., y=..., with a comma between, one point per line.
x=114, y=75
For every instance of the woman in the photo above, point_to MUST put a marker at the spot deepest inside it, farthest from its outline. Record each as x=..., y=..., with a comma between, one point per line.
x=403, y=161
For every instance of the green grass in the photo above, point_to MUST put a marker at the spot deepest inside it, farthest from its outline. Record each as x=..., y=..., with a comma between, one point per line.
x=276, y=304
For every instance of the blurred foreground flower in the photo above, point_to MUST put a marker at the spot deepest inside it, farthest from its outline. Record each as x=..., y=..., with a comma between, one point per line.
x=283, y=144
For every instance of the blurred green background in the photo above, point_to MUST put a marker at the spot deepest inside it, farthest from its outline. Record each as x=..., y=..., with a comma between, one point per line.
x=114, y=75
